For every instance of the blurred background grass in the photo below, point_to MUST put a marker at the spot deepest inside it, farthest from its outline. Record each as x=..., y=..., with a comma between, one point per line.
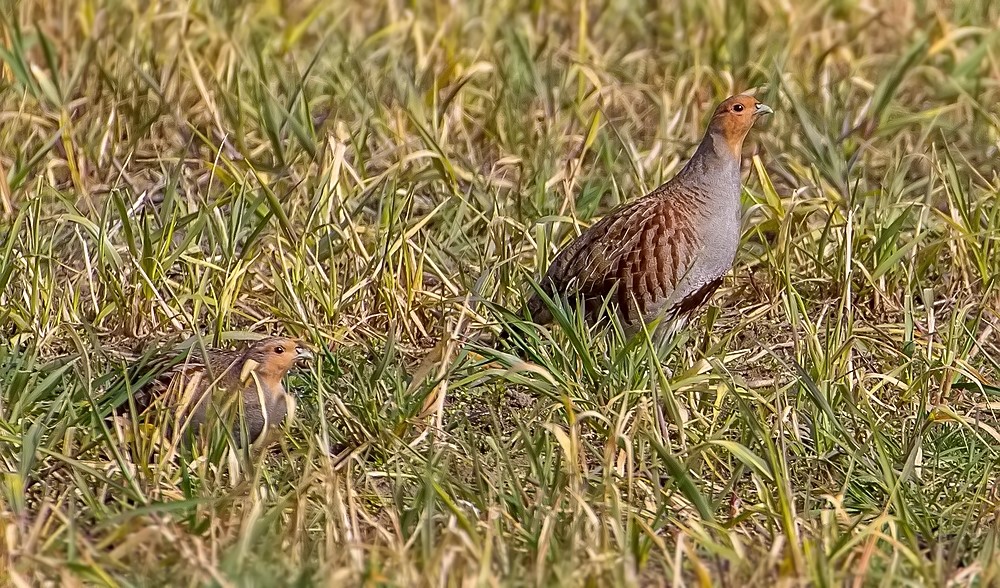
x=383, y=180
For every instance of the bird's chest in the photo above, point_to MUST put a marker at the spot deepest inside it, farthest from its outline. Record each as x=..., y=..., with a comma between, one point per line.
x=718, y=238
x=728, y=229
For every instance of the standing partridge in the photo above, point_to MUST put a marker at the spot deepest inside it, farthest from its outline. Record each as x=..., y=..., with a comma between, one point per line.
x=663, y=255
x=195, y=392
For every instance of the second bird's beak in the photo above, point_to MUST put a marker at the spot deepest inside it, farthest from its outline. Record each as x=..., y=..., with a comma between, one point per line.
x=763, y=109
x=303, y=355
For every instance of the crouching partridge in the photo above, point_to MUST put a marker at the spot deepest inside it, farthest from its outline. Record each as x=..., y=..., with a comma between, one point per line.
x=663, y=255
x=195, y=393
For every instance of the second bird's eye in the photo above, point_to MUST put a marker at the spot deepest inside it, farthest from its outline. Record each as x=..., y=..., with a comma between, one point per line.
x=738, y=108
x=279, y=349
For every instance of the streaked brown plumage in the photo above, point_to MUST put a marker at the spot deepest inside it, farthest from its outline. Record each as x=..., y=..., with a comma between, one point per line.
x=663, y=255
x=196, y=392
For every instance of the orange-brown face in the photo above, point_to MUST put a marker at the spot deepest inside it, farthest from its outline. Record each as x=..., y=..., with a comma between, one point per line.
x=277, y=355
x=734, y=117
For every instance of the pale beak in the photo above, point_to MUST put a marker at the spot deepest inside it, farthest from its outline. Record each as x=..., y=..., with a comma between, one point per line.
x=762, y=109
x=303, y=355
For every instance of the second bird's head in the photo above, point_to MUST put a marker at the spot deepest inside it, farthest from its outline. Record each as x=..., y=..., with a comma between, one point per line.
x=274, y=356
x=734, y=118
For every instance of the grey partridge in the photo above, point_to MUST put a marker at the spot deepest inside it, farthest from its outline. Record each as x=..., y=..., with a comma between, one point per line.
x=254, y=375
x=663, y=255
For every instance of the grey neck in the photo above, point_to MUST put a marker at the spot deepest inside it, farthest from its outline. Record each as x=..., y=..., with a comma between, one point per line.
x=712, y=173
x=712, y=157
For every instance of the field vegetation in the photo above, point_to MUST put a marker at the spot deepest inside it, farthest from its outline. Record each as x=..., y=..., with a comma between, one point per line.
x=385, y=179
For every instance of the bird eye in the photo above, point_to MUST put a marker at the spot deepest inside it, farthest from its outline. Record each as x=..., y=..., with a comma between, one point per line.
x=737, y=108
x=279, y=349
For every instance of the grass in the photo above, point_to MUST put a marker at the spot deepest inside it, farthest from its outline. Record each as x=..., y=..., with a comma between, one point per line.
x=385, y=180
